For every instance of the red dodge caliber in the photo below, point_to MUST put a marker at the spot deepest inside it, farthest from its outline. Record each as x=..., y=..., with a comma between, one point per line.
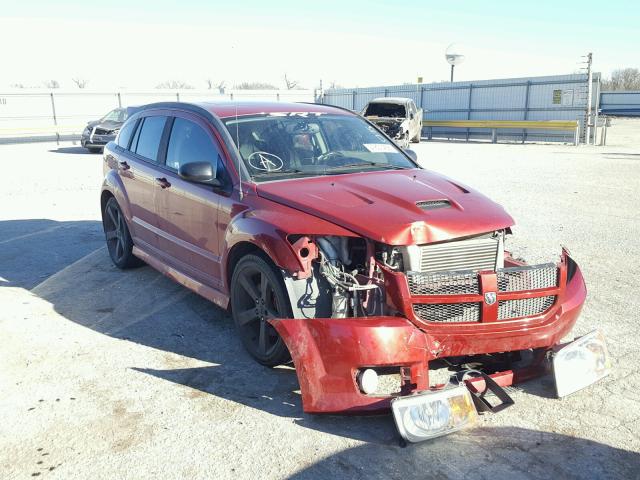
x=334, y=249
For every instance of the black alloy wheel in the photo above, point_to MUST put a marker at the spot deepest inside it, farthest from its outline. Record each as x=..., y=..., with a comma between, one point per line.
x=257, y=295
x=116, y=232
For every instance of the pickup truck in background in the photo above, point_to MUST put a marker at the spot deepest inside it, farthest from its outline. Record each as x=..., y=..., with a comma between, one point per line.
x=398, y=117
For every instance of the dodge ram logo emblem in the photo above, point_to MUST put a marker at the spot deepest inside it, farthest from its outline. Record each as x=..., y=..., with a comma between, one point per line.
x=490, y=298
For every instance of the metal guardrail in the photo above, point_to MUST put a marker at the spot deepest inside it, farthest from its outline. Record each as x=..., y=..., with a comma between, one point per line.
x=494, y=125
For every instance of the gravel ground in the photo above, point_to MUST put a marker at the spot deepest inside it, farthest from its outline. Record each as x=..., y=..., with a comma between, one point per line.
x=109, y=374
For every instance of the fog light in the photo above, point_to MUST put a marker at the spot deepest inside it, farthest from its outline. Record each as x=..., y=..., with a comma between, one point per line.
x=581, y=363
x=433, y=413
x=368, y=381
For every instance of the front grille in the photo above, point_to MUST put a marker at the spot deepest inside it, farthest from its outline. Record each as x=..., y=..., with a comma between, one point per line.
x=525, y=307
x=443, y=283
x=448, y=312
x=474, y=254
x=532, y=277
x=102, y=131
x=433, y=204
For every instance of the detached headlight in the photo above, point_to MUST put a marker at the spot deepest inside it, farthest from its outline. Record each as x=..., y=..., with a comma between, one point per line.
x=433, y=413
x=581, y=363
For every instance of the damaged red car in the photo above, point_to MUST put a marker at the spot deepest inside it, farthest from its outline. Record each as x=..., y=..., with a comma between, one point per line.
x=334, y=249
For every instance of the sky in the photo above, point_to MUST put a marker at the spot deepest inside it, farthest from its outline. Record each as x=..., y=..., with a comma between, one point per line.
x=139, y=44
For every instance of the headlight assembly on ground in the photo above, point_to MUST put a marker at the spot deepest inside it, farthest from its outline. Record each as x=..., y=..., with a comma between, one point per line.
x=433, y=413
x=581, y=363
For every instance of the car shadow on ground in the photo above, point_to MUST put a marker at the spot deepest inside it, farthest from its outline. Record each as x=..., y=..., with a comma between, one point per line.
x=33, y=250
x=75, y=150
x=494, y=453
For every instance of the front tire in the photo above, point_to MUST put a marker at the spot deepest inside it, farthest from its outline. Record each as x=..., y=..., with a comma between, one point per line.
x=416, y=138
x=257, y=295
x=116, y=232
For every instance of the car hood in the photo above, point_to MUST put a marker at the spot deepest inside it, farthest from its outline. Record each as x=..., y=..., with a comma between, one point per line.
x=386, y=119
x=383, y=206
x=107, y=125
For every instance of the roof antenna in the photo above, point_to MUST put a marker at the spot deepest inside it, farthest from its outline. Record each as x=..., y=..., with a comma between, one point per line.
x=239, y=155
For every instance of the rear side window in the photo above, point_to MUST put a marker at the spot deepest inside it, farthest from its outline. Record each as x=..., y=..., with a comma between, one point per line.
x=125, y=134
x=189, y=143
x=148, y=141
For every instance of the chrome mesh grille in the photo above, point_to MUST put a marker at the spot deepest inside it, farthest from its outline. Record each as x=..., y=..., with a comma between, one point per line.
x=443, y=283
x=433, y=204
x=525, y=307
x=448, y=312
x=532, y=277
x=474, y=254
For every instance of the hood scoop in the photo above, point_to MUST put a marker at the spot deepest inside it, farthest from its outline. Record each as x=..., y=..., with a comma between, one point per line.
x=433, y=204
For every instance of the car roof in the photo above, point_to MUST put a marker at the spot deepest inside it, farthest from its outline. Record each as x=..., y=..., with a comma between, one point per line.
x=390, y=100
x=225, y=109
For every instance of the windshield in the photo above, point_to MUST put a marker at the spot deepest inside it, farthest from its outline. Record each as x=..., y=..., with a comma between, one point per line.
x=117, y=115
x=385, y=110
x=289, y=145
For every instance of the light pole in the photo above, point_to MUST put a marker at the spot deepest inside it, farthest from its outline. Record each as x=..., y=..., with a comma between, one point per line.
x=454, y=57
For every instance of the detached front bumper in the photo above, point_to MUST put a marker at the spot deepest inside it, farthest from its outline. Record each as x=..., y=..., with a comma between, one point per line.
x=330, y=352
x=88, y=140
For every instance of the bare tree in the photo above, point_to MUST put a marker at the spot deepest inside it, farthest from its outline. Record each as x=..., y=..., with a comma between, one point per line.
x=213, y=85
x=333, y=84
x=17, y=85
x=175, y=85
x=623, y=79
x=80, y=82
x=52, y=84
x=291, y=84
x=255, y=86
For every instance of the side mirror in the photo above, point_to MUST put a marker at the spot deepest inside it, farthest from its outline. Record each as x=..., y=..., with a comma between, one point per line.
x=199, y=172
x=411, y=116
x=411, y=154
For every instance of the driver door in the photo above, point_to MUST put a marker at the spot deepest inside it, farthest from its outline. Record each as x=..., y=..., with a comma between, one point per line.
x=188, y=212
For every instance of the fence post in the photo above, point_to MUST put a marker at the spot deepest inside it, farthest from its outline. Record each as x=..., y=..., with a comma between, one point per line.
x=177, y=96
x=469, y=108
x=353, y=101
x=119, y=100
x=526, y=110
x=421, y=97
x=55, y=118
x=386, y=92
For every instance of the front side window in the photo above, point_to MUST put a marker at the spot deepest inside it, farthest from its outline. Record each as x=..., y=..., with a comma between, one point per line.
x=147, y=141
x=190, y=143
x=289, y=145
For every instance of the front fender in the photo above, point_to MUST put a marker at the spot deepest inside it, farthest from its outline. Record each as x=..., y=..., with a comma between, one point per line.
x=267, y=227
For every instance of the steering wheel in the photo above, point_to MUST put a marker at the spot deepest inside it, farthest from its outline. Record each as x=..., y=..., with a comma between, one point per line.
x=331, y=159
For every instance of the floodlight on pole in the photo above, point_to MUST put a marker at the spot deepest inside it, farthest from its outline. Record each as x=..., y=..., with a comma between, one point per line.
x=454, y=56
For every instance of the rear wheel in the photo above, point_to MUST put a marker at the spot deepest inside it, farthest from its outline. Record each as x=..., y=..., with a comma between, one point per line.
x=416, y=138
x=257, y=295
x=116, y=232
x=94, y=149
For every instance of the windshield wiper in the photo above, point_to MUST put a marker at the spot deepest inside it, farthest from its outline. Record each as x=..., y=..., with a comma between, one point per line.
x=350, y=166
x=278, y=172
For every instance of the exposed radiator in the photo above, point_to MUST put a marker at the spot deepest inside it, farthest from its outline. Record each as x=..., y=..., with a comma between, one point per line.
x=484, y=253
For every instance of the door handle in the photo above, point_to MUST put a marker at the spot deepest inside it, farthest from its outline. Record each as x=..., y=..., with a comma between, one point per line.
x=123, y=165
x=163, y=182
